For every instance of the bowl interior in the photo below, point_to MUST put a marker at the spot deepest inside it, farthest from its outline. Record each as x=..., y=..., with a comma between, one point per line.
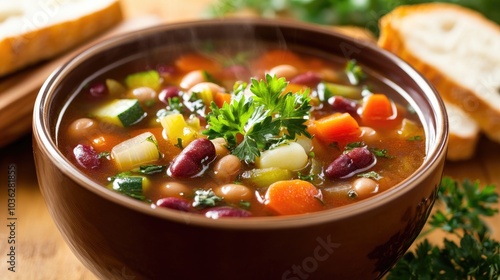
x=148, y=45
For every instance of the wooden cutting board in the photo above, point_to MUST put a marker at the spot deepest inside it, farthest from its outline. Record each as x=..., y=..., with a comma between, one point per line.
x=18, y=91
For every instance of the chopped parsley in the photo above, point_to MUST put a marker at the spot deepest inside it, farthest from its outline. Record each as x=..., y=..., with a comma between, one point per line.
x=151, y=169
x=265, y=119
x=205, y=198
x=354, y=72
x=371, y=175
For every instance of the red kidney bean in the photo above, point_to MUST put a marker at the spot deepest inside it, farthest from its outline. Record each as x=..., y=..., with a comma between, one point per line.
x=346, y=165
x=343, y=105
x=168, y=92
x=226, y=211
x=174, y=203
x=309, y=78
x=86, y=156
x=193, y=159
x=98, y=89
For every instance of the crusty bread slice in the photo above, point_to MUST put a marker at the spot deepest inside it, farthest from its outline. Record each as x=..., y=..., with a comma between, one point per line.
x=464, y=134
x=32, y=30
x=458, y=50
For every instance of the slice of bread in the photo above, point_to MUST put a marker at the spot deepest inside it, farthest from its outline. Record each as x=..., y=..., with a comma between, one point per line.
x=32, y=30
x=458, y=51
x=464, y=134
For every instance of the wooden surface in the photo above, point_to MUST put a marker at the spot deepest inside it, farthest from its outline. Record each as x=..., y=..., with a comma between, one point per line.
x=40, y=250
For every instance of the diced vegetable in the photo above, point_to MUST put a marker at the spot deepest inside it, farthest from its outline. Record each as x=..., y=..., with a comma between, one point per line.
x=263, y=178
x=133, y=152
x=339, y=127
x=115, y=88
x=205, y=91
x=293, y=197
x=220, y=98
x=177, y=130
x=194, y=61
x=281, y=155
x=410, y=130
x=149, y=78
x=121, y=112
x=132, y=186
x=378, y=110
x=327, y=90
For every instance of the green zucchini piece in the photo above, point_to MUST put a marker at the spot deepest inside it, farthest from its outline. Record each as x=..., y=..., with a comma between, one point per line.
x=149, y=78
x=121, y=112
x=263, y=178
x=331, y=89
x=132, y=186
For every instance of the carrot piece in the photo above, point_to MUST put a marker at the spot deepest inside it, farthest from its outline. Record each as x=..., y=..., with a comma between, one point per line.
x=276, y=57
x=291, y=197
x=338, y=127
x=220, y=98
x=294, y=88
x=193, y=61
x=378, y=110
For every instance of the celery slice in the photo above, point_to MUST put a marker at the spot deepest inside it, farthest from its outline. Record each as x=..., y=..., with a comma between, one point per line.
x=263, y=178
x=133, y=152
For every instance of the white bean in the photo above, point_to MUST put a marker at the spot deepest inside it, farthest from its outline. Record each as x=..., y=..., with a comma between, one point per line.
x=289, y=156
x=233, y=192
x=220, y=147
x=227, y=168
x=144, y=94
x=175, y=189
x=82, y=128
x=365, y=187
x=284, y=70
x=192, y=78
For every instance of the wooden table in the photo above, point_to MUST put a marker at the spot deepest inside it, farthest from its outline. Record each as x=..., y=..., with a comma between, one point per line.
x=40, y=250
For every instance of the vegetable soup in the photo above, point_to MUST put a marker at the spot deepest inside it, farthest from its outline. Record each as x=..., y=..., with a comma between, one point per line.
x=243, y=133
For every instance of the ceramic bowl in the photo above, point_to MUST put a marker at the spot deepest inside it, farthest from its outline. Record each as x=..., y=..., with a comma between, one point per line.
x=119, y=238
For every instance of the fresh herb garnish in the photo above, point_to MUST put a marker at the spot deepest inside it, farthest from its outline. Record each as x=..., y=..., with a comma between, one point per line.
x=103, y=155
x=205, y=198
x=372, y=175
x=245, y=204
x=151, y=169
x=265, y=119
x=354, y=72
x=475, y=255
x=306, y=177
x=353, y=145
x=415, y=138
x=380, y=153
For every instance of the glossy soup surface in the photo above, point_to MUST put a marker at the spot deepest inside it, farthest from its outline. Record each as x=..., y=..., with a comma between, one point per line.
x=247, y=133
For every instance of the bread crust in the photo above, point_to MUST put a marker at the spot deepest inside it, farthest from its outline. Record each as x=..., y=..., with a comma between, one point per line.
x=451, y=90
x=47, y=42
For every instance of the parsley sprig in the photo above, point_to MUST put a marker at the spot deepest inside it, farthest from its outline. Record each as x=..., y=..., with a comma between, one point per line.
x=265, y=119
x=475, y=256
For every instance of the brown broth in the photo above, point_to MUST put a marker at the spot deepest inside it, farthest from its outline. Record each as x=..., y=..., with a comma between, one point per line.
x=403, y=156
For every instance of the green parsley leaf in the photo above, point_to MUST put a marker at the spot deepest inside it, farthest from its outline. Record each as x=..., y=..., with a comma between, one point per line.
x=205, y=198
x=380, y=152
x=354, y=72
x=265, y=119
x=151, y=169
x=372, y=175
x=475, y=256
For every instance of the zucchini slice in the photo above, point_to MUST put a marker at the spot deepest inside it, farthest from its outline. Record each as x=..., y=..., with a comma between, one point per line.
x=121, y=112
